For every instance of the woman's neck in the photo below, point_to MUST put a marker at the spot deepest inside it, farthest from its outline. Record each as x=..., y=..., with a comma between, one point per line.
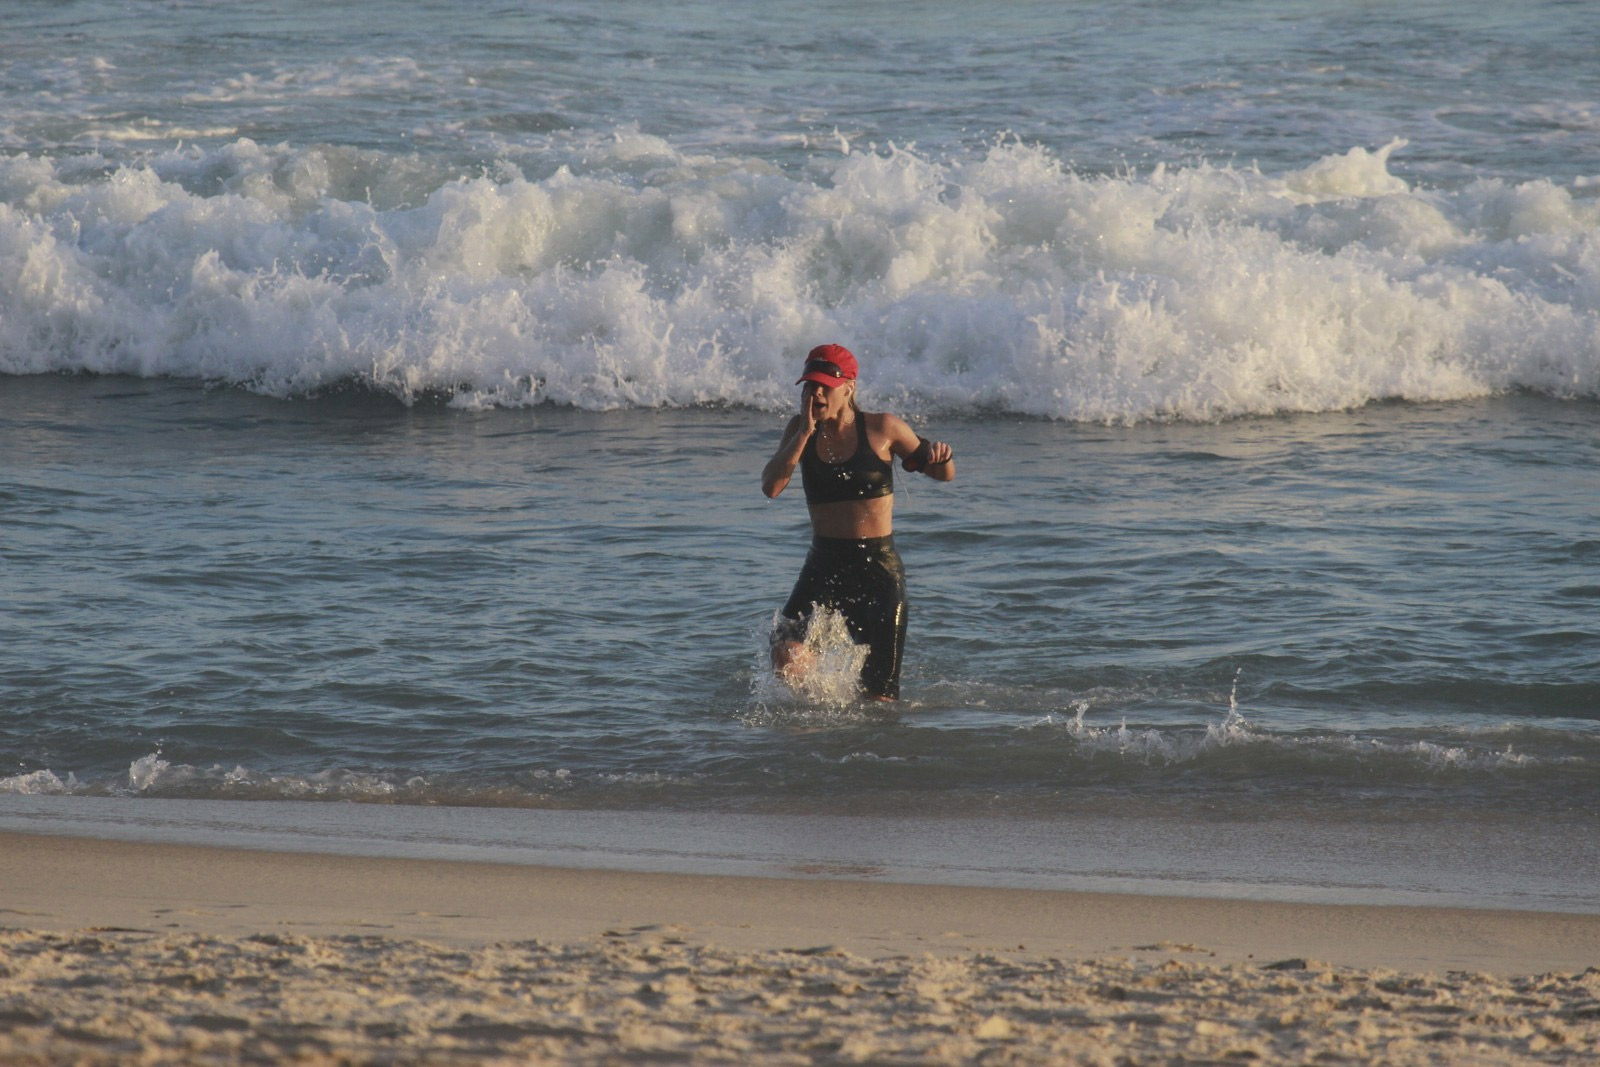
x=838, y=423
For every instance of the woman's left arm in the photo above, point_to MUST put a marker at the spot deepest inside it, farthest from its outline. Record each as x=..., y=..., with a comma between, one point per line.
x=933, y=458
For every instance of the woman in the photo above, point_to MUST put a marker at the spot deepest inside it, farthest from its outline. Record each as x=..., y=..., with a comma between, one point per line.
x=845, y=456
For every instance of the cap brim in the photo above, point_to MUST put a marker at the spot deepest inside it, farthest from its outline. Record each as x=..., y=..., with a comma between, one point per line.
x=821, y=379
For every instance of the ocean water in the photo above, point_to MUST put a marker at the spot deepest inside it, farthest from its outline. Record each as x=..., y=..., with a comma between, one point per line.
x=384, y=389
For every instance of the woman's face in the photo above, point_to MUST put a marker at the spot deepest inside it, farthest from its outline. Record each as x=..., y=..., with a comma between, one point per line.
x=827, y=402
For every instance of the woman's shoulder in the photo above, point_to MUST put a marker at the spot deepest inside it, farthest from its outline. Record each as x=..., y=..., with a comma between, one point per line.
x=886, y=422
x=882, y=421
x=888, y=428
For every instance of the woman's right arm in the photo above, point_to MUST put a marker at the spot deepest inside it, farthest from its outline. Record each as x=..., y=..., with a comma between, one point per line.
x=780, y=468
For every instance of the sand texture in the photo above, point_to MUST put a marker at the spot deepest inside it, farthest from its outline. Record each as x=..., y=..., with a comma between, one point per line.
x=117, y=953
x=116, y=997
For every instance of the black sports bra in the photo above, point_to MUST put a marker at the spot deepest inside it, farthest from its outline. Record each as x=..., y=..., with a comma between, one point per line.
x=863, y=476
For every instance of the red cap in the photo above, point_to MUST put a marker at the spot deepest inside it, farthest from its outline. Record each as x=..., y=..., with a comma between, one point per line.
x=830, y=365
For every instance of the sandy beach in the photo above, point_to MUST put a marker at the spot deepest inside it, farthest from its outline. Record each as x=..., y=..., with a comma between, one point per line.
x=115, y=952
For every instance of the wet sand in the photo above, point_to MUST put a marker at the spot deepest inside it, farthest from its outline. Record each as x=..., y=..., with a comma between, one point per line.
x=115, y=952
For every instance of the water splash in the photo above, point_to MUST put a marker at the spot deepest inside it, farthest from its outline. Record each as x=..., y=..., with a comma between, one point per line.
x=146, y=772
x=826, y=690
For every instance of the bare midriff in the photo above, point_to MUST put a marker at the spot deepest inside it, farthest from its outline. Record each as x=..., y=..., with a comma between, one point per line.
x=853, y=519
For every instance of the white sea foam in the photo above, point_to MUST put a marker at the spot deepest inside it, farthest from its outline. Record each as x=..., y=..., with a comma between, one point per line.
x=154, y=775
x=1456, y=750
x=1153, y=745
x=38, y=782
x=640, y=275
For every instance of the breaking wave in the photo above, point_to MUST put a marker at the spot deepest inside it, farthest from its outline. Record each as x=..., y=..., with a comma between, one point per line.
x=635, y=274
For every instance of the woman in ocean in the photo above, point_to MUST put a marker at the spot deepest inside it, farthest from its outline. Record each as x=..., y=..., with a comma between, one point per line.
x=846, y=456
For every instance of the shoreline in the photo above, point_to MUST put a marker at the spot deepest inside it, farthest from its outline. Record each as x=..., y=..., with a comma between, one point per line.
x=117, y=949
x=66, y=883
x=1514, y=864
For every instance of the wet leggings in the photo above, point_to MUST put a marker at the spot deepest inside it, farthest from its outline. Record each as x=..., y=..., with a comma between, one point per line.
x=864, y=581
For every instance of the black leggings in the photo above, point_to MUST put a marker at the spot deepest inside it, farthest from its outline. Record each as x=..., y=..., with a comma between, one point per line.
x=864, y=581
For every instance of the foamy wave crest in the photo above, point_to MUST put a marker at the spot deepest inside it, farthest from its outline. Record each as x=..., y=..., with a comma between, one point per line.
x=635, y=274
x=1150, y=745
x=154, y=775
x=38, y=783
x=1237, y=745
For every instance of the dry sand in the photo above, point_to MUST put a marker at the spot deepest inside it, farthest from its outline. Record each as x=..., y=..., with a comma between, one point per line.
x=113, y=953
